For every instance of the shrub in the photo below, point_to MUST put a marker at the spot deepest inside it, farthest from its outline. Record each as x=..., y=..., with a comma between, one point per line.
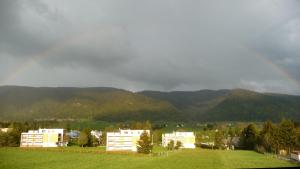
x=260, y=149
x=178, y=145
x=83, y=139
x=144, y=144
x=170, y=145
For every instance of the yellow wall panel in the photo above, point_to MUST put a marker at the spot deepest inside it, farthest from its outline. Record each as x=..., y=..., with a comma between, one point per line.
x=54, y=138
x=45, y=137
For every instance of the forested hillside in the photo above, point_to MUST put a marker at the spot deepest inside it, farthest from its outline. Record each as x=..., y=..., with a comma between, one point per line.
x=110, y=104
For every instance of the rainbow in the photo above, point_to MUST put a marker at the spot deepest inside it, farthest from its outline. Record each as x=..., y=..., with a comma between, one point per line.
x=57, y=47
x=71, y=40
x=279, y=70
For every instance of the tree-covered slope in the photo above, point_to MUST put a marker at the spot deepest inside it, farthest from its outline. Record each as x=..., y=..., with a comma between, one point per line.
x=27, y=103
x=110, y=104
x=231, y=105
x=241, y=105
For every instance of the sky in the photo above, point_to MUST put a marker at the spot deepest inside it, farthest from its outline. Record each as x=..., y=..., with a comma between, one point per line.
x=162, y=45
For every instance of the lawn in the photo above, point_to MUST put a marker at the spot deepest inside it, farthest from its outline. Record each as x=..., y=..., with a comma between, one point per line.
x=92, y=158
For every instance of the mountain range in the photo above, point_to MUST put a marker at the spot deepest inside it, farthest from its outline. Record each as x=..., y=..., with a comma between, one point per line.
x=110, y=104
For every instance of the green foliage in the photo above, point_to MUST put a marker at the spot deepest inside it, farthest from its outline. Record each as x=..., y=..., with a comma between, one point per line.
x=83, y=139
x=198, y=139
x=260, y=149
x=170, y=145
x=178, y=145
x=287, y=136
x=266, y=136
x=10, y=139
x=103, y=139
x=13, y=136
x=231, y=105
x=135, y=125
x=144, y=145
x=220, y=136
x=249, y=137
x=271, y=138
x=109, y=104
x=282, y=136
x=157, y=136
x=3, y=139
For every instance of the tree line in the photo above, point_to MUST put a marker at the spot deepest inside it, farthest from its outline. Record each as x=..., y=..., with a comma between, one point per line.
x=270, y=138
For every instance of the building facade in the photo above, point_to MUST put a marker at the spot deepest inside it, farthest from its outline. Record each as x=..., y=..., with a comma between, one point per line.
x=42, y=138
x=124, y=140
x=186, y=138
x=73, y=134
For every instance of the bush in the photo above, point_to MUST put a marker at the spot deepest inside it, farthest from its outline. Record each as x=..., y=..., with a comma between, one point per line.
x=144, y=144
x=178, y=145
x=83, y=139
x=260, y=149
x=170, y=145
x=10, y=139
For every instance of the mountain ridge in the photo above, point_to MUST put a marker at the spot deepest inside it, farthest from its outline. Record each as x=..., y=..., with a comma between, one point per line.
x=113, y=104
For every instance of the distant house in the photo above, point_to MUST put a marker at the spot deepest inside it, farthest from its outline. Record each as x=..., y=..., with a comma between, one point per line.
x=233, y=142
x=186, y=138
x=73, y=134
x=96, y=133
x=295, y=155
x=123, y=140
x=43, y=138
x=5, y=130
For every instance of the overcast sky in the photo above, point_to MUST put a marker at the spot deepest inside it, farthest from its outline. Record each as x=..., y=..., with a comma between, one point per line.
x=152, y=44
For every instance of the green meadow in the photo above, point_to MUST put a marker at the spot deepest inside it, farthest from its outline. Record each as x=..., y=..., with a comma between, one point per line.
x=92, y=158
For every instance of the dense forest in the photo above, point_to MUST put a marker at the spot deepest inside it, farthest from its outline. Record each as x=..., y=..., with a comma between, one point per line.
x=110, y=104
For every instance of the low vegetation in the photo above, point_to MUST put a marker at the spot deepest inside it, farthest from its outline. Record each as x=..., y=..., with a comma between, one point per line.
x=75, y=157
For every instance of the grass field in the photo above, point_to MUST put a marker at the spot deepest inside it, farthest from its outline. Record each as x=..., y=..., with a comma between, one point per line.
x=92, y=158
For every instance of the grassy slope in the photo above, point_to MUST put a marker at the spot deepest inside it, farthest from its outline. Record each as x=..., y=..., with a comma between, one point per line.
x=95, y=158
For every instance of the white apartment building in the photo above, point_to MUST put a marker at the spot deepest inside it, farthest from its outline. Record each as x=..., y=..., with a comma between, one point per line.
x=186, y=138
x=124, y=140
x=42, y=138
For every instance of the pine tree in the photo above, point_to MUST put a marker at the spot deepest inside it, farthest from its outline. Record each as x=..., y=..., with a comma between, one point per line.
x=287, y=135
x=144, y=145
x=249, y=137
x=266, y=135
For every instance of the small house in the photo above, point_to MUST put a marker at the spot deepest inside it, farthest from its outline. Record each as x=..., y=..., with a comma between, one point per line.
x=295, y=155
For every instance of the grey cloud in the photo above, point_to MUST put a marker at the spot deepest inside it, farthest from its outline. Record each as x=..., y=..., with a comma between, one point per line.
x=165, y=45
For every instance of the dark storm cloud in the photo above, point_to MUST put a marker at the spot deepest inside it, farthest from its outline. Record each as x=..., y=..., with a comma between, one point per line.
x=140, y=44
x=13, y=38
x=280, y=44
